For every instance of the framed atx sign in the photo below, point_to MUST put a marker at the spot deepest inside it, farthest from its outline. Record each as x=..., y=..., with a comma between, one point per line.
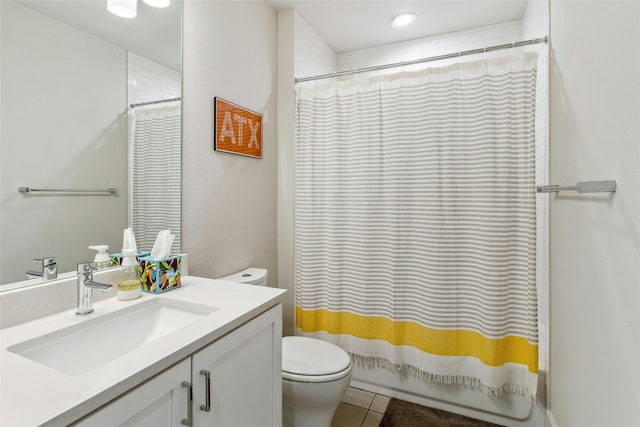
x=237, y=130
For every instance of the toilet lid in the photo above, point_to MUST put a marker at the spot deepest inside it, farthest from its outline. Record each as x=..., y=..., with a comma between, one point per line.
x=309, y=356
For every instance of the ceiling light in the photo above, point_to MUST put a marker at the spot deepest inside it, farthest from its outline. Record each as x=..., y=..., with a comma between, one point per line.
x=403, y=19
x=123, y=8
x=157, y=3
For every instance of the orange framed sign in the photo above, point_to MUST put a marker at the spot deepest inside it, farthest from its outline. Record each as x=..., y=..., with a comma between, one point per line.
x=237, y=130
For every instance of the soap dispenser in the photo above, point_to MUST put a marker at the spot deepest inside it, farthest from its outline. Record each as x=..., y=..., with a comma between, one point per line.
x=129, y=286
x=101, y=259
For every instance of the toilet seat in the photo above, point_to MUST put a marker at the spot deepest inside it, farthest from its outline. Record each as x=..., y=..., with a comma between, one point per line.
x=313, y=360
x=316, y=378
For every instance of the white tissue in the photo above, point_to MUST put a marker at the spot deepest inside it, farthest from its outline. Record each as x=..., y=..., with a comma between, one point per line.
x=128, y=240
x=162, y=246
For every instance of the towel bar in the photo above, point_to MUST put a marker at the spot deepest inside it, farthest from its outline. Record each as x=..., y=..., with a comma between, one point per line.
x=581, y=187
x=25, y=190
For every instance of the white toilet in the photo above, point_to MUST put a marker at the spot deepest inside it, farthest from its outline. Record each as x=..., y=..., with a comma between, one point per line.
x=315, y=373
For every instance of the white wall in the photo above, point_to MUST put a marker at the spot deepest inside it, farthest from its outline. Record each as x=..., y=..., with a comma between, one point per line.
x=301, y=52
x=535, y=20
x=595, y=239
x=149, y=81
x=312, y=55
x=431, y=46
x=63, y=125
x=229, y=201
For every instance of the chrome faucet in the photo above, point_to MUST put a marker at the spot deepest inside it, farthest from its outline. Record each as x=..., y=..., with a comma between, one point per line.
x=86, y=285
x=49, y=268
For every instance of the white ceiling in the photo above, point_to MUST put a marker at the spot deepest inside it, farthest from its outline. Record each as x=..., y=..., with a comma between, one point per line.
x=347, y=25
x=154, y=33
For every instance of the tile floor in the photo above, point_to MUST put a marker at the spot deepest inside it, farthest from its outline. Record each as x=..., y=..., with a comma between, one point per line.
x=360, y=408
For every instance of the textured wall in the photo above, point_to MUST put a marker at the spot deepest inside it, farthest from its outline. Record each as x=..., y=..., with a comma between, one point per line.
x=229, y=201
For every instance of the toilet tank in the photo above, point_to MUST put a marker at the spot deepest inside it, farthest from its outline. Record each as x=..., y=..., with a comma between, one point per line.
x=249, y=276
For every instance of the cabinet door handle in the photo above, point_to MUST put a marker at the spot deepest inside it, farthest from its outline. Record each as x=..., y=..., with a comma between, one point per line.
x=188, y=421
x=207, y=396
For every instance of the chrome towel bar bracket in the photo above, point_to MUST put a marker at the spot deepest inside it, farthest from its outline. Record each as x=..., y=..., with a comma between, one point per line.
x=581, y=187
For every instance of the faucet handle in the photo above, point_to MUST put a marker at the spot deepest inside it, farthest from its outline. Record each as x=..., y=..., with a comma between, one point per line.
x=86, y=267
x=47, y=261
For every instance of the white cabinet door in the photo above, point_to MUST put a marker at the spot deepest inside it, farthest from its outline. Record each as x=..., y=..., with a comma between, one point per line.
x=160, y=402
x=245, y=370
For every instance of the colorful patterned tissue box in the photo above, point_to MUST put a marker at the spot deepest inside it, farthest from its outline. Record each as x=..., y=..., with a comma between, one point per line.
x=160, y=275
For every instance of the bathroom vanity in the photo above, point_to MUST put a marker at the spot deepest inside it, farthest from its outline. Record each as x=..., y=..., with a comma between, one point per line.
x=207, y=354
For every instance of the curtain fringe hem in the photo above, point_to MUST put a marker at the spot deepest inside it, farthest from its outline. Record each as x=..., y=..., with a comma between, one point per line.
x=404, y=368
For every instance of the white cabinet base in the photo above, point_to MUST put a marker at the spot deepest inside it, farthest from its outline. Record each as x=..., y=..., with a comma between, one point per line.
x=245, y=376
x=245, y=368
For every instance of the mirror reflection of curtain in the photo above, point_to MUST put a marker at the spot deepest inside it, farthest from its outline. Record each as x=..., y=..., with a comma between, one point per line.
x=155, y=195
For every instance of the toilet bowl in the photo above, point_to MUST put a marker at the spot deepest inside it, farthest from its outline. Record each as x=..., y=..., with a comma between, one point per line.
x=315, y=376
x=315, y=373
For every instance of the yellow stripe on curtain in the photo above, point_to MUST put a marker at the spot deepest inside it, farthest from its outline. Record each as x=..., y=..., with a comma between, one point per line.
x=491, y=351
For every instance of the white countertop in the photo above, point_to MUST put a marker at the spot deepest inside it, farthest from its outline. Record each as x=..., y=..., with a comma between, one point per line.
x=33, y=394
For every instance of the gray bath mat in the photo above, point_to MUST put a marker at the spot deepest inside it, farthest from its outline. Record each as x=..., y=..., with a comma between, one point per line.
x=404, y=414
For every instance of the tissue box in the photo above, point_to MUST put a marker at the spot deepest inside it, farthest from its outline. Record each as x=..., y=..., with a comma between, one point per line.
x=116, y=259
x=160, y=275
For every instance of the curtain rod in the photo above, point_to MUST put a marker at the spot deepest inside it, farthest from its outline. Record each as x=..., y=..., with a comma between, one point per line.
x=155, y=102
x=544, y=39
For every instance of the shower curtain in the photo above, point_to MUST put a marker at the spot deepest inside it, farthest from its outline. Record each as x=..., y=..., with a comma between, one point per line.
x=155, y=167
x=415, y=221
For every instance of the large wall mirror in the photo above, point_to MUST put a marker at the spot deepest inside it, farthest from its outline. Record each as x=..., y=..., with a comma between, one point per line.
x=89, y=101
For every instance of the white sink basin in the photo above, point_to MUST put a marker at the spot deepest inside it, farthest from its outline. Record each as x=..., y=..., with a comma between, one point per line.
x=80, y=348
